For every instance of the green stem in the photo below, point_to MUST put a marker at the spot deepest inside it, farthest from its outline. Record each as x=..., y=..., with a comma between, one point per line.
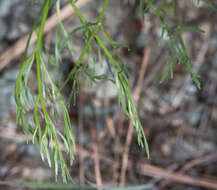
x=38, y=46
x=93, y=34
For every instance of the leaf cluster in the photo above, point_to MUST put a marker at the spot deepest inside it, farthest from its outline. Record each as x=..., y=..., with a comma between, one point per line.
x=47, y=103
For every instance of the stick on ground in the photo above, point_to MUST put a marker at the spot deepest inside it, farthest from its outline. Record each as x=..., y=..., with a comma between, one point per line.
x=136, y=96
x=154, y=171
x=18, y=48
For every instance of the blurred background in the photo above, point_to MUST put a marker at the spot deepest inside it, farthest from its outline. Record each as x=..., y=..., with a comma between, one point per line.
x=179, y=119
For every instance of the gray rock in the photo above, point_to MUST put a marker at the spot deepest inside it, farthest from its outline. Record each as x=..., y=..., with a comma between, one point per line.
x=29, y=150
x=194, y=115
x=141, y=40
x=5, y=6
x=213, y=42
x=214, y=61
x=3, y=28
x=191, y=88
x=11, y=75
x=206, y=146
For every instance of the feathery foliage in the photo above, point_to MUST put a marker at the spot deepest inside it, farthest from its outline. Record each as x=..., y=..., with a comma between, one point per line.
x=47, y=103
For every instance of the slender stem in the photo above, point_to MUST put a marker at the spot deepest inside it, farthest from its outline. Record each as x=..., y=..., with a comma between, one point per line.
x=44, y=18
x=102, y=14
x=78, y=12
x=93, y=34
x=38, y=46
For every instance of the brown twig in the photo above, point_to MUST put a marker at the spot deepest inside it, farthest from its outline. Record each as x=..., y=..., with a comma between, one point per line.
x=19, y=47
x=136, y=96
x=109, y=121
x=117, y=144
x=154, y=171
x=189, y=165
x=110, y=124
x=198, y=161
x=96, y=158
x=80, y=133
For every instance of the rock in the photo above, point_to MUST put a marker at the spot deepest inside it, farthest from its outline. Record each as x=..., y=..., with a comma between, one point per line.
x=29, y=150
x=16, y=17
x=11, y=75
x=166, y=149
x=141, y=41
x=206, y=146
x=191, y=88
x=194, y=115
x=5, y=7
x=41, y=174
x=214, y=61
x=3, y=28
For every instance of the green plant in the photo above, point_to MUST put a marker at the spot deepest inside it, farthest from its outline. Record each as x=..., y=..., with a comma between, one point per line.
x=49, y=91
